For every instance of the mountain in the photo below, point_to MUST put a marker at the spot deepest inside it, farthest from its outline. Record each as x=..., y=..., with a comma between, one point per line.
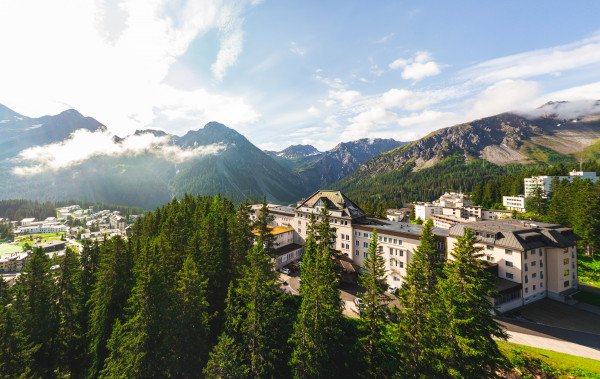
x=321, y=169
x=212, y=160
x=557, y=132
x=18, y=132
x=241, y=171
x=296, y=152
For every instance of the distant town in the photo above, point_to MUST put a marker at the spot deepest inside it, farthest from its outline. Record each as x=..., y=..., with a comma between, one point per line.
x=71, y=225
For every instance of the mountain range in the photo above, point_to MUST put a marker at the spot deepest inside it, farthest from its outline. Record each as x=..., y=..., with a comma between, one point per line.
x=47, y=158
x=72, y=157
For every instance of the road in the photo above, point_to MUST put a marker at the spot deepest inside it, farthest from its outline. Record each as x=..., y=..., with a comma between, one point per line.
x=552, y=338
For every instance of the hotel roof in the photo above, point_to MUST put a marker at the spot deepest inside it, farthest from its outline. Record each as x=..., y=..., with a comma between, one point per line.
x=335, y=201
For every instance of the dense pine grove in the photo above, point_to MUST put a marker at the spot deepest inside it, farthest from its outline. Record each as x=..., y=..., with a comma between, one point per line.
x=191, y=295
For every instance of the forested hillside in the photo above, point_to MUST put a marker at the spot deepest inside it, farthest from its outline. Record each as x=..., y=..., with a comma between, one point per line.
x=191, y=295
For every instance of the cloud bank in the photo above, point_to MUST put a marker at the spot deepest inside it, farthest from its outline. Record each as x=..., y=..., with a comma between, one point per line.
x=83, y=145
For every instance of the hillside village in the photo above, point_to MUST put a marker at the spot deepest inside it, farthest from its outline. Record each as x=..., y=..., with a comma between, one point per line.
x=53, y=235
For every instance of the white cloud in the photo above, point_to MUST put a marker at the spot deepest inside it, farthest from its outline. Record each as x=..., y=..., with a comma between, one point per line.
x=414, y=100
x=385, y=38
x=313, y=111
x=418, y=67
x=534, y=63
x=506, y=95
x=83, y=144
x=297, y=49
x=110, y=59
x=344, y=97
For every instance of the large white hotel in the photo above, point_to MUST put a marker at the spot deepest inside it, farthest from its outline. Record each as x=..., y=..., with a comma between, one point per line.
x=530, y=260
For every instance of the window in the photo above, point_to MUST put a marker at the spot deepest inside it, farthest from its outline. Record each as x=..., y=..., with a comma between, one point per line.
x=356, y=243
x=534, y=275
x=509, y=275
x=356, y=253
x=566, y=283
x=533, y=264
x=384, y=239
x=566, y=272
x=401, y=253
x=541, y=263
x=526, y=279
x=489, y=247
x=366, y=255
x=541, y=274
x=380, y=238
x=365, y=244
x=526, y=268
x=489, y=258
x=541, y=284
x=525, y=257
x=534, y=287
x=396, y=278
x=526, y=290
x=508, y=263
x=508, y=252
x=395, y=241
x=401, y=264
x=366, y=235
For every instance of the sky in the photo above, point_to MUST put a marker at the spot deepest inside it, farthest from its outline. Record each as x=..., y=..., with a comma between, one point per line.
x=286, y=72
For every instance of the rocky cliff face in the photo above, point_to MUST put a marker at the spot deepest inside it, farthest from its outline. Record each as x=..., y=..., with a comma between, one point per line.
x=502, y=139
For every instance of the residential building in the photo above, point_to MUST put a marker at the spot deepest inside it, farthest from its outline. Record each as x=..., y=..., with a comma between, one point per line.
x=397, y=214
x=27, y=221
x=533, y=260
x=425, y=210
x=545, y=182
x=514, y=203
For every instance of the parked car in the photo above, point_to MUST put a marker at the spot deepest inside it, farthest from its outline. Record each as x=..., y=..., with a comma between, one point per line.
x=286, y=271
x=393, y=290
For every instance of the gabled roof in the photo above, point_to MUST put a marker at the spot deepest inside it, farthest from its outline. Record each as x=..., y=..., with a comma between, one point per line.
x=518, y=235
x=335, y=201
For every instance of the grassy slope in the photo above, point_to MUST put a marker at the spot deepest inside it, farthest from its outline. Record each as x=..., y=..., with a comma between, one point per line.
x=589, y=270
x=533, y=362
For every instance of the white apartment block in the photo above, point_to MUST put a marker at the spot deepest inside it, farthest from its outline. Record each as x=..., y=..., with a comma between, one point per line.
x=514, y=203
x=545, y=182
x=530, y=260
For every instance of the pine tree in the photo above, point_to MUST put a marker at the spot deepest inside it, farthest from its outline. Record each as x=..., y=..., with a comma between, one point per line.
x=317, y=331
x=255, y=316
x=12, y=360
x=36, y=308
x=191, y=343
x=71, y=342
x=227, y=360
x=467, y=325
x=139, y=346
x=373, y=312
x=107, y=303
x=263, y=228
x=241, y=239
x=415, y=335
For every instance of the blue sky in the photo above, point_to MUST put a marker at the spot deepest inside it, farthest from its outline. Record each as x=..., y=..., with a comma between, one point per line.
x=287, y=72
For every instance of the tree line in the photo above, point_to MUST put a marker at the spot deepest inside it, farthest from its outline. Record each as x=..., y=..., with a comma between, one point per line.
x=193, y=294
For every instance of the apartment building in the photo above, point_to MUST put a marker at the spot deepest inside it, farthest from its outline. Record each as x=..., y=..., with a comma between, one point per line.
x=532, y=260
x=545, y=182
x=514, y=203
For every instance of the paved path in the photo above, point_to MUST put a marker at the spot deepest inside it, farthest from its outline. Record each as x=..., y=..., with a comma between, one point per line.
x=554, y=345
x=552, y=338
